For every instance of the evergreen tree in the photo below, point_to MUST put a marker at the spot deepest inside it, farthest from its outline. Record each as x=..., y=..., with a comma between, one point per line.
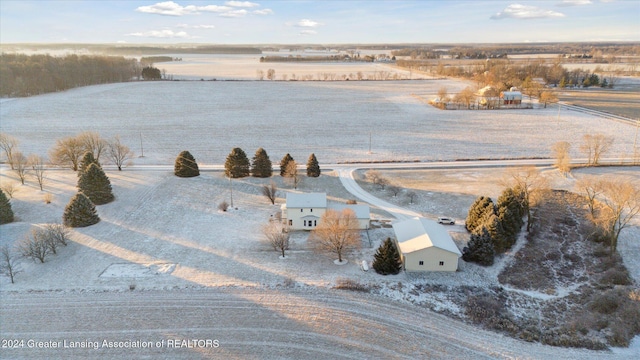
x=261, y=164
x=283, y=164
x=237, y=164
x=478, y=211
x=186, y=165
x=479, y=249
x=6, y=213
x=513, y=199
x=387, y=259
x=87, y=159
x=80, y=212
x=95, y=184
x=313, y=168
x=496, y=232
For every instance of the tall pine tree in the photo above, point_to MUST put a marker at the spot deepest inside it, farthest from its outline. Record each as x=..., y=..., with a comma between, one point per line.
x=186, y=165
x=6, y=213
x=478, y=211
x=95, y=184
x=387, y=259
x=237, y=164
x=87, y=159
x=313, y=168
x=283, y=164
x=261, y=164
x=80, y=212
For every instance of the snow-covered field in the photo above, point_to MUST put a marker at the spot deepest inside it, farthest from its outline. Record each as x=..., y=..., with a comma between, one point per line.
x=336, y=120
x=164, y=232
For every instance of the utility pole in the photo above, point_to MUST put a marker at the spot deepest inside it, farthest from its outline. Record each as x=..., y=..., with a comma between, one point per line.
x=635, y=141
x=141, y=148
x=369, y=142
x=231, y=190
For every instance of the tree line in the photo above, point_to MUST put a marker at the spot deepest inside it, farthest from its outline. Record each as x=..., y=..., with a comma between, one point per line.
x=28, y=75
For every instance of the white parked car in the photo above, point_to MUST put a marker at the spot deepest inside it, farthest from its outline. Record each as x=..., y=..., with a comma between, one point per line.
x=446, y=221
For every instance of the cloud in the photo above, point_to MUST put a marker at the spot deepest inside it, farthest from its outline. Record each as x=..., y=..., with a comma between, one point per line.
x=262, y=12
x=575, y=2
x=245, y=4
x=308, y=32
x=170, y=8
x=234, y=13
x=165, y=34
x=517, y=11
x=186, y=26
x=308, y=23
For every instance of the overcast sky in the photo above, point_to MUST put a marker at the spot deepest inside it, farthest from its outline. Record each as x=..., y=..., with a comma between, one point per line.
x=332, y=21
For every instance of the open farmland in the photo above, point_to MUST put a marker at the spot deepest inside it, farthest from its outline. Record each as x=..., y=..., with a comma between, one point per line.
x=335, y=120
x=618, y=102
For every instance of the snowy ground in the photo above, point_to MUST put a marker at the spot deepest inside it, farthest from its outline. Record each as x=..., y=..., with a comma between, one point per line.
x=160, y=119
x=164, y=232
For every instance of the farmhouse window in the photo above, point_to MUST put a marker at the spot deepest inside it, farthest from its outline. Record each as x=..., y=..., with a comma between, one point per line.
x=315, y=222
x=301, y=210
x=305, y=223
x=311, y=210
x=421, y=263
x=290, y=222
x=441, y=263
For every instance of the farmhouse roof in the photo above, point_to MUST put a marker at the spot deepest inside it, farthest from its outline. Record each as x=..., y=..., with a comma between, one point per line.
x=420, y=233
x=306, y=200
x=361, y=211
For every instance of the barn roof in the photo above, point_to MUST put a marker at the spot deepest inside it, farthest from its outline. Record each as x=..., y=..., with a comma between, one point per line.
x=361, y=211
x=420, y=233
x=306, y=200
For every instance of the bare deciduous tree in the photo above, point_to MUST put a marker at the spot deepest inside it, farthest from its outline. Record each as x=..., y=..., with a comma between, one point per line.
x=57, y=233
x=271, y=74
x=594, y=146
x=119, y=153
x=411, y=195
x=34, y=245
x=621, y=200
x=91, y=141
x=561, y=154
x=547, y=97
x=591, y=187
x=260, y=74
x=466, y=96
x=337, y=232
x=67, y=152
x=270, y=192
x=533, y=185
x=8, y=144
x=292, y=174
x=277, y=235
x=375, y=178
x=37, y=165
x=9, y=262
x=9, y=189
x=443, y=94
x=20, y=165
x=394, y=189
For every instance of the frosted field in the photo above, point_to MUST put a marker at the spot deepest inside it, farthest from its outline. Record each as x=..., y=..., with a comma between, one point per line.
x=332, y=119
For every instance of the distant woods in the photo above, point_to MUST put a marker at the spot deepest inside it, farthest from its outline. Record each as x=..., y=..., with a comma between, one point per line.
x=27, y=75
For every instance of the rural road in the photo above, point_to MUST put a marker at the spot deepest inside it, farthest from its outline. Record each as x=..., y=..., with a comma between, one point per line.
x=248, y=324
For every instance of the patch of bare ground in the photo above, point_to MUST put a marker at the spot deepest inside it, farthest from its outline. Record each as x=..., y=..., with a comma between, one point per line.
x=566, y=288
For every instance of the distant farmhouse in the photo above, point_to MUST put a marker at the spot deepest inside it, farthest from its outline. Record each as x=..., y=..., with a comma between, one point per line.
x=488, y=96
x=302, y=211
x=425, y=245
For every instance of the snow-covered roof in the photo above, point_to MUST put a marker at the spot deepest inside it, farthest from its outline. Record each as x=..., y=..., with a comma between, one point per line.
x=361, y=211
x=306, y=200
x=419, y=233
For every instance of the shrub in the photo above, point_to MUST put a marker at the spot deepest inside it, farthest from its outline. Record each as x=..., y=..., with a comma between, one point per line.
x=350, y=284
x=80, y=212
x=223, y=206
x=6, y=213
x=95, y=184
x=186, y=165
x=387, y=259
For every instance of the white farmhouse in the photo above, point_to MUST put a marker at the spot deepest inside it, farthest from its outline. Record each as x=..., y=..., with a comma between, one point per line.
x=303, y=211
x=425, y=245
